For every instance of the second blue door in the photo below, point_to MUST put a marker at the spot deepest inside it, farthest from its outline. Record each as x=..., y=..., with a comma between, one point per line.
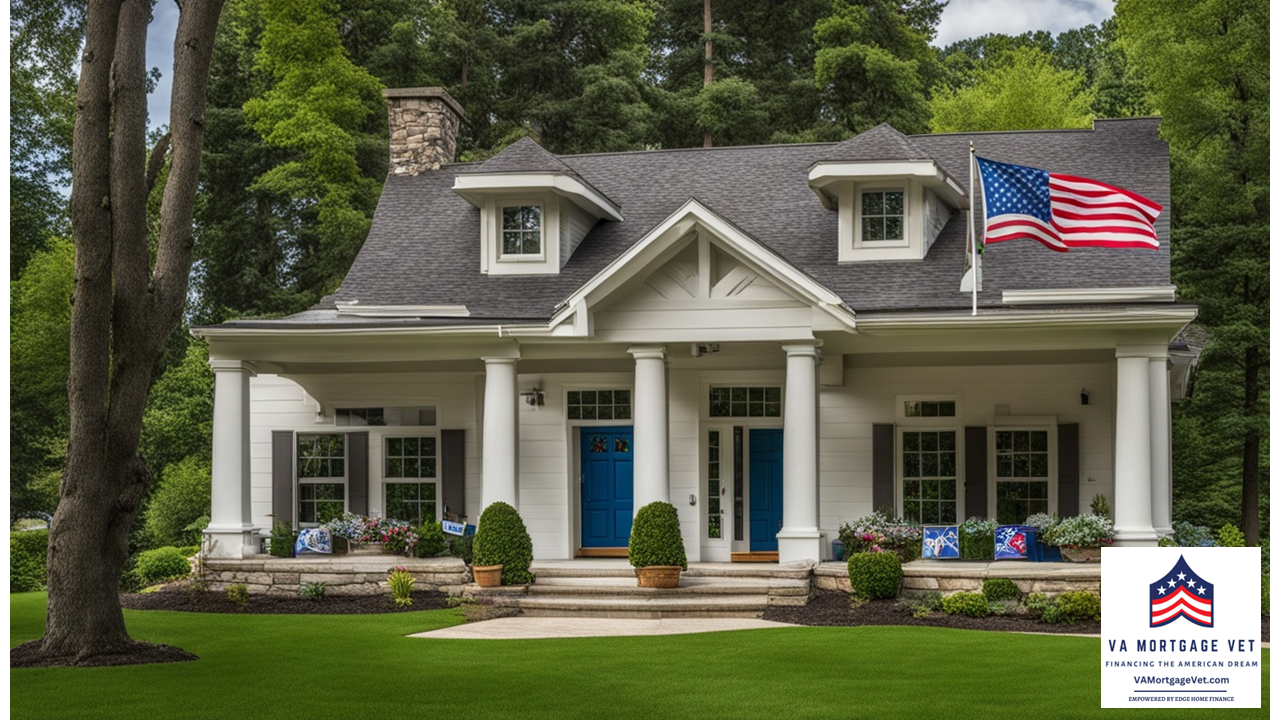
x=766, y=489
x=606, y=487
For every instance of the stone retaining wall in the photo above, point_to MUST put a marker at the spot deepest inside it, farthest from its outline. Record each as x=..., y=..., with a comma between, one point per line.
x=947, y=577
x=342, y=575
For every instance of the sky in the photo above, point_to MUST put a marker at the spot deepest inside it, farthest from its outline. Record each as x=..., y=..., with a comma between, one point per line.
x=961, y=19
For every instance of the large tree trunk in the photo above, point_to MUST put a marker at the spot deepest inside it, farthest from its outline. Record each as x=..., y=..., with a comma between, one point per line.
x=1252, y=449
x=124, y=306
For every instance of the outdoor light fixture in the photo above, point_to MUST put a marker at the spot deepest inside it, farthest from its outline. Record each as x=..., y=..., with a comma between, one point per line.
x=1084, y=396
x=534, y=397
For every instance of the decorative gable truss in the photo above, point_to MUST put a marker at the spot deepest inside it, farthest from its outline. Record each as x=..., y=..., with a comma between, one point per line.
x=697, y=277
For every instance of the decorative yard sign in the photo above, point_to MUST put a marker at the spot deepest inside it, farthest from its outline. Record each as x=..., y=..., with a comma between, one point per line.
x=457, y=528
x=1011, y=542
x=941, y=542
x=313, y=540
x=1180, y=627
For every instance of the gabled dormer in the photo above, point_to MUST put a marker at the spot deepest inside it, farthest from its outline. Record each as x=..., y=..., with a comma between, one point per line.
x=534, y=209
x=893, y=198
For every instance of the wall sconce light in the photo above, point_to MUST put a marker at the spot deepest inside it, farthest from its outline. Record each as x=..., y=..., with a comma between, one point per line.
x=534, y=397
x=700, y=349
x=1084, y=396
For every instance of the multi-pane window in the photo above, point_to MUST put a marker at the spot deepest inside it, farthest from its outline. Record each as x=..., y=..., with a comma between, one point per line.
x=322, y=470
x=714, y=516
x=522, y=230
x=746, y=401
x=409, y=457
x=1022, y=474
x=599, y=404
x=882, y=215
x=412, y=502
x=929, y=408
x=929, y=476
x=393, y=416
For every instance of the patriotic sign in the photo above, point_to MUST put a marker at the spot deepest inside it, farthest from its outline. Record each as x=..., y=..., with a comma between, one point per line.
x=1011, y=542
x=1181, y=593
x=1063, y=211
x=941, y=542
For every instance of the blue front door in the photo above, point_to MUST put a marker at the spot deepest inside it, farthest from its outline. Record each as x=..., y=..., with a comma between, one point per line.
x=766, y=489
x=606, y=487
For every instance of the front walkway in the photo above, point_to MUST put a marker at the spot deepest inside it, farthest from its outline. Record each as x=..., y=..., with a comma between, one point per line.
x=528, y=628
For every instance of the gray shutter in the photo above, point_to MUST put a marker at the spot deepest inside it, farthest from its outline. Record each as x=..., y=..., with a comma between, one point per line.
x=1068, y=470
x=453, y=471
x=358, y=473
x=975, y=471
x=282, y=505
x=882, y=467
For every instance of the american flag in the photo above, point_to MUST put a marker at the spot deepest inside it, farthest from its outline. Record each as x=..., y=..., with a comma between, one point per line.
x=1181, y=593
x=1063, y=211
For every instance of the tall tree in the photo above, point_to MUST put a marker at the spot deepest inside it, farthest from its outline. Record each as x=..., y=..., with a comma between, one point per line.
x=126, y=303
x=1021, y=90
x=1207, y=66
x=874, y=63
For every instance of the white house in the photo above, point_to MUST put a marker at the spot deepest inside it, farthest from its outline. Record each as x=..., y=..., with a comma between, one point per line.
x=775, y=339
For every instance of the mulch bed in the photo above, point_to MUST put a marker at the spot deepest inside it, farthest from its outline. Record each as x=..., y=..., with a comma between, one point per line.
x=183, y=599
x=28, y=655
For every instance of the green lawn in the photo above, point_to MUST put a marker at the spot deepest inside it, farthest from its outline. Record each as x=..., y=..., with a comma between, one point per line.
x=361, y=666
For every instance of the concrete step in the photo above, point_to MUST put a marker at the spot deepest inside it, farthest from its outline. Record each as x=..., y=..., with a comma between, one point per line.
x=600, y=568
x=620, y=586
x=636, y=607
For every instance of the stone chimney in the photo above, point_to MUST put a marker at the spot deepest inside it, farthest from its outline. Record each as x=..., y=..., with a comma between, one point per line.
x=424, y=129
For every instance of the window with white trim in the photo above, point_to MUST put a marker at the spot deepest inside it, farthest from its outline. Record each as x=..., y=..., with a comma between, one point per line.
x=883, y=216
x=410, y=488
x=322, y=478
x=929, y=476
x=1022, y=474
x=521, y=230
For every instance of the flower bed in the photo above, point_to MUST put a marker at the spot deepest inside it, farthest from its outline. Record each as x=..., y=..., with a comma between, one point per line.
x=396, y=536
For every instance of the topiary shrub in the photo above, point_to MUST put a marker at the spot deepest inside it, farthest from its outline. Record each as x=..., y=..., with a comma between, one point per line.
x=969, y=604
x=1074, y=606
x=161, y=565
x=238, y=594
x=501, y=539
x=875, y=575
x=997, y=589
x=655, y=537
x=28, y=553
x=430, y=540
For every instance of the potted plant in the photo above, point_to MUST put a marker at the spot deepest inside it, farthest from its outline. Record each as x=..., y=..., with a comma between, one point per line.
x=1037, y=549
x=656, y=549
x=502, y=550
x=1081, y=538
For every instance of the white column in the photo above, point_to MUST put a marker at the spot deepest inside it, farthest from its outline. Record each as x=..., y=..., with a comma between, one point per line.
x=799, y=538
x=231, y=513
x=1132, y=504
x=652, y=459
x=500, y=451
x=1161, y=460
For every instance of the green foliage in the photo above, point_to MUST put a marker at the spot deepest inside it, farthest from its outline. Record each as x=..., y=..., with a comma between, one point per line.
x=1230, y=536
x=238, y=594
x=462, y=548
x=1088, y=530
x=177, y=424
x=282, y=538
x=400, y=580
x=875, y=575
x=1020, y=91
x=1074, y=606
x=978, y=539
x=1187, y=535
x=1037, y=603
x=179, y=507
x=655, y=537
x=431, y=542
x=28, y=555
x=922, y=605
x=969, y=604
x=161, y=565
x=501, y=539
x=1266, y=595
x=313, y=591
x=996, y=589
x=731, y=111
x=874, y=64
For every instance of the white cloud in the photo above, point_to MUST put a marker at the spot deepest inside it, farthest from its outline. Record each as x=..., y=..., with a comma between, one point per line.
x=971, y=18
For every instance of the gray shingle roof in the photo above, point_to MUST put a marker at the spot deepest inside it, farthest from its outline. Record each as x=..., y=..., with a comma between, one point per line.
x=424, y=245
x=882, y=142
x=523, y=155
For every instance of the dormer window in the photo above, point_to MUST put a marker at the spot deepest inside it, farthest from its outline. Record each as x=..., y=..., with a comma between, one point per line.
x=521, y=232
x=882, y=216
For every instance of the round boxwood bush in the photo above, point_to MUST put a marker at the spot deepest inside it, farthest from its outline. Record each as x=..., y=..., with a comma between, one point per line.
x=875, y=575
x=161, y=565
x=655, y=537
x=501, y=539
x=28, y=553
x=430, y=540
x=970, y=604
x=997, y=589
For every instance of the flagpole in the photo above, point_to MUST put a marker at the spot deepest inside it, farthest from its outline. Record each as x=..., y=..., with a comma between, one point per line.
x=973, y=235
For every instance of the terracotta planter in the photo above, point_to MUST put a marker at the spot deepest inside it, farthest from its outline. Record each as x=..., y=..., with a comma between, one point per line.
x=1082, y=554
x=487, y=575
x=658, y=576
